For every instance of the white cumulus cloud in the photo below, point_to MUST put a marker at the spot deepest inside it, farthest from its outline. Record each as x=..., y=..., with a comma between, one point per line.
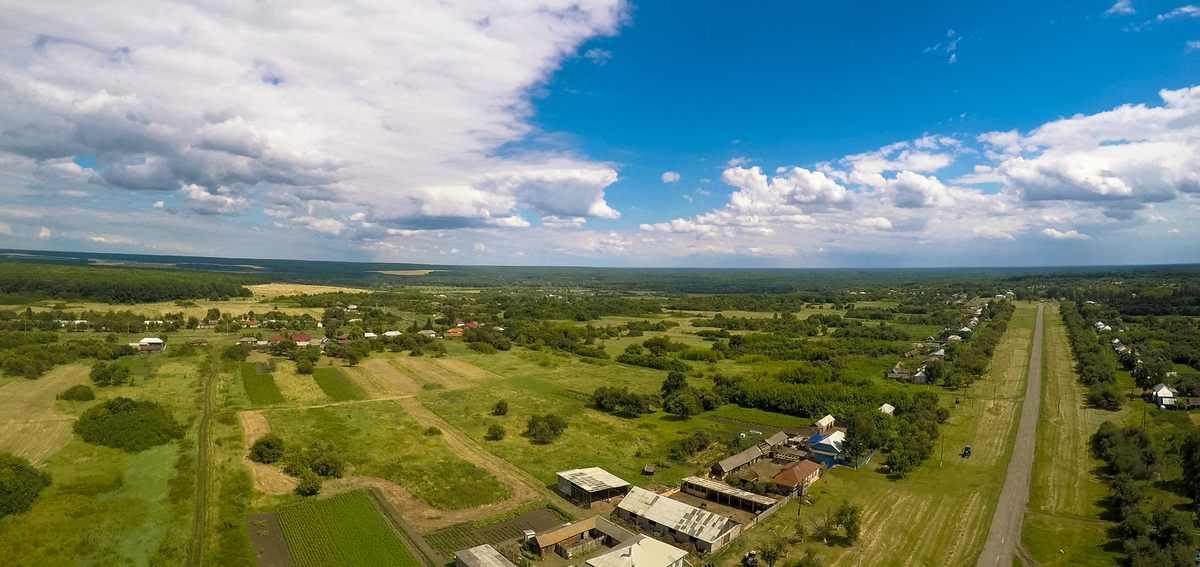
x=1121, y=8
x=1052, y=233
x=670, y=177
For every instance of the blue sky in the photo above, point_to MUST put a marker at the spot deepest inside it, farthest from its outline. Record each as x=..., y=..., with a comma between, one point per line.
x=599, y=132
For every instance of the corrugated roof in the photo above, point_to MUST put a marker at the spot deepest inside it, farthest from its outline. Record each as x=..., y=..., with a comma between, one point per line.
x=593, y=479
x=729, y=490
x=824, y=422
x=777, y=439
x=700, y=524
x=482, y=556
x=641, y=551
x=834, y=440
x=732, y=462
x=571, y=530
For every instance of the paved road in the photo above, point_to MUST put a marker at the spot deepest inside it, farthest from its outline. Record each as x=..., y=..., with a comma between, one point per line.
x=1005, y=534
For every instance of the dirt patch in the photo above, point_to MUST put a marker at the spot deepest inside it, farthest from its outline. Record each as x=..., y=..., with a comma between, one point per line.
x=300, y=388
x=266, y=538
x=267, y=479
x=431, y=371
x=408, y=272
x=466, y=369
x=379, y=379
x=258, y=356
x=278, y=289
x=30, y=424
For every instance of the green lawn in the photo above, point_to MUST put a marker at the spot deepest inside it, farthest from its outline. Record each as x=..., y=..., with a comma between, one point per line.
x=380, y=439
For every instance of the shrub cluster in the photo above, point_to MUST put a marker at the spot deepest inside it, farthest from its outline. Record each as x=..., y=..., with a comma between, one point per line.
x=637, y=355
x=77, y=393
x=110, y=374
x=621, y=400
x=20, y=484
x=129, y=425
x=543, y=429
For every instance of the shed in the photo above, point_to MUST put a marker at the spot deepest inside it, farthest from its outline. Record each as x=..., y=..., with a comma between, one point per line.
x=249, y=341
x=481, y=556
x=427, y=333
x=939, y=353
x=580, y=537
x=651, y=468
x=370, y=336
x=888, y=409
x=274, y=340
x=686, y=524
x=200, y=342
x=722, y=493
x=392, y=334
x=590, y=484
x=825, y=423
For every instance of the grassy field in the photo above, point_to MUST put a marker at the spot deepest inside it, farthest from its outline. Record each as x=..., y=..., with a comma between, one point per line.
x=345, y=530
x=336, y=385
x=940, y=513
x=380, y=439
x=30, y=424
x=1066, y=489
x=105, y=506
x=260, y=387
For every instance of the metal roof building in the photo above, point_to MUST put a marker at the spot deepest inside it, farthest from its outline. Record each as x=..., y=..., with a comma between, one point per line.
x=722, y=493
x=481, y=556
x=590, y=484
x=641, y=551
x=686, y=524
x=763, y=449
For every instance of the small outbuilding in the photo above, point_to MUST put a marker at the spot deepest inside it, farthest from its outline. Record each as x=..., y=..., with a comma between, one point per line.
x=588, y=485
x=825, y=423
x=481, y=556
x=428, y=333
x=888, y=409
x=200, y=342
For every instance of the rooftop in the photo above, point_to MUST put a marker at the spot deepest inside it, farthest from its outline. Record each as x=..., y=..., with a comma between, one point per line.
x=482, y=556
x=593, y=479
x=729, y=490
x=641, y=551
x=700, y=524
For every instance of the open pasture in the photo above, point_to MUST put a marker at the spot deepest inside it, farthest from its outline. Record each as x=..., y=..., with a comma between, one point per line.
x=273, y=290
x=30, y=424
x=300, y=389
x=382, y=440
x=380, y=379
x=345, y=530
x=448, y=374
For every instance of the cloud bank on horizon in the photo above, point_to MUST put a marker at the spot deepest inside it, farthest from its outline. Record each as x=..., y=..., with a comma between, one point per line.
x=399, y=132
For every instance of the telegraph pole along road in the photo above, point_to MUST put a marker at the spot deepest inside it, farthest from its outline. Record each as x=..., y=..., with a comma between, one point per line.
x=1005, y=534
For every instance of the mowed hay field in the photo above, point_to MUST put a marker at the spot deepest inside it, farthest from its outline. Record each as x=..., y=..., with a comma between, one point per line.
x=938, y=515
x=30, y=424
x=1065, y=493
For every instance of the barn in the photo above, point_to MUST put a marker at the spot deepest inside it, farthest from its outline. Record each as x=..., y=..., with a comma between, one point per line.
x=584, y=486
x=481, y=556
x=684, y=523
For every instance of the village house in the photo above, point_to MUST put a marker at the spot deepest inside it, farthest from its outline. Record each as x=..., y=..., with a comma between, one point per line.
x=428, y=333
x=798, y=477
x=1164, y=396
x=827, y=449
x=684, y=523
x=301, y=339
x=453, y=333
x=151, y=345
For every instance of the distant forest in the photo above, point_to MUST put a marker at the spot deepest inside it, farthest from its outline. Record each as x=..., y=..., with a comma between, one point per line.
x=168, y=277
x=26, y=282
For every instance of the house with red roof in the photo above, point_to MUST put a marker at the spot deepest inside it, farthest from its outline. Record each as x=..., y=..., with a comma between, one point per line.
x=798, y=477
x=454, y=333
x=302, y=339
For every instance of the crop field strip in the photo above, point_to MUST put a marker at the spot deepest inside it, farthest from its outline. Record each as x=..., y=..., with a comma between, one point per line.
x=1064, y=497
x=343, y=531
x=337, y=386
x=30, y=426
x=260, y=386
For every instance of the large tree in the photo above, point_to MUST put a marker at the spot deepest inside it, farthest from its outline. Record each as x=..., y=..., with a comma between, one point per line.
x=20, y=484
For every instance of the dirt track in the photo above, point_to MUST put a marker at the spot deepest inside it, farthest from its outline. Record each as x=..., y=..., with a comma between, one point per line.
x=1005, y=534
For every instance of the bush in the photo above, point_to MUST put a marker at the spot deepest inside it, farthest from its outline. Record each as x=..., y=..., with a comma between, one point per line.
x=482, y=348
x=268, y=449
x=304, y=366
x=543, y=429
x=128, y=425
x=431, y=431
x=111, y=374
x=495, y=433
x=319, y=458
x=80, y=393
x=20, y=484
x=310, y=484
x=501, y=408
